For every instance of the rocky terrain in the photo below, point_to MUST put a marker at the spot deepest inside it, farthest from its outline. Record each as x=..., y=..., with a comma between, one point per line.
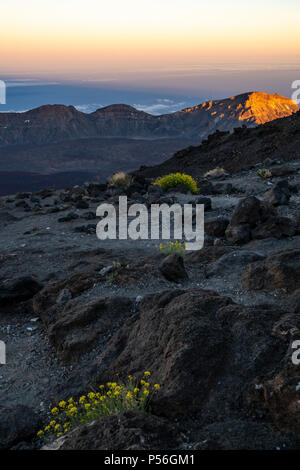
x=56, y=139
x=214, y=328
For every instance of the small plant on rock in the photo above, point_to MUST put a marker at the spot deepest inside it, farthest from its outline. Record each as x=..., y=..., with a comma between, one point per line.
x=120, y=180
x=173, y=180
x=215, y=173
x=173, y=247
x=264, y=173
x=110, y=399
x=116, y=267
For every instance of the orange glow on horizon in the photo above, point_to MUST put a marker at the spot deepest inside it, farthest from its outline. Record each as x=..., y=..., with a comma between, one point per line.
x=68, y=36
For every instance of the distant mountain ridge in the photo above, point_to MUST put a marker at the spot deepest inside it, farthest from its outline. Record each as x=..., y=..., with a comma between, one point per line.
x=56, y=123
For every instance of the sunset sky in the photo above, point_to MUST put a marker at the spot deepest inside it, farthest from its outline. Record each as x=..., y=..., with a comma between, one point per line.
x=175, y=45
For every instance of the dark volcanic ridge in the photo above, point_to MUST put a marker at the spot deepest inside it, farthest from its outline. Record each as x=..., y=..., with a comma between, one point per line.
x=278, y=140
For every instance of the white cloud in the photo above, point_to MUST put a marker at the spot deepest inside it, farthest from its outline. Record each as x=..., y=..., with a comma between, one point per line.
x=161, y=106
x=88, y=108
x=28, y=82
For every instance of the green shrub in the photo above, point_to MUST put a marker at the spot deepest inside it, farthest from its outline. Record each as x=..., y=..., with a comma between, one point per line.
x=177, y=179
x=120, y=179
x=112, y=398
x=264, y=173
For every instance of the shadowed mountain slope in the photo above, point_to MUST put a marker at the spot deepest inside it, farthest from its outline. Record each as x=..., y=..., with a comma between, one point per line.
x=276, y=140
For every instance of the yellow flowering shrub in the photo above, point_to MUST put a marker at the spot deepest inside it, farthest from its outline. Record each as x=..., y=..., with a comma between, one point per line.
x=172, y=247
x=177, y=179
x=111, y=398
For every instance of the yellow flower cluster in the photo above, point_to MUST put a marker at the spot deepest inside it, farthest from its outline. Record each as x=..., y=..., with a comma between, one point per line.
x=112, y=398
x=173, y=247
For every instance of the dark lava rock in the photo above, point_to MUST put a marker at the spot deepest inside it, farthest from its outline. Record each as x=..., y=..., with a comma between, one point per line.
x=179, y=338
x=44, y=193
x=281, y=270
x=223, y=188
x=255, y=219
x=95, y=189
x=208, y=254
x=23, y=195
x=6, y=218
x=89, y=215
x=279, y=195
x=74, y=327
x=89, y=228
x=172, y=268
x=206, y=187
x=82, y=204
x=131, y=430
x=216, y=227
x=76, y=284
x=282, y=170
x=238, y=234
x=19, y=289
x=22, y=204
x=17, y=424
x=251, y=211
x=292, y=303
x=276, y=227
x=154, y=189
x=69, y=217
x=236, y=434
x=279, y=391
x=232, y=263
x=135, y=187
x=206, y=201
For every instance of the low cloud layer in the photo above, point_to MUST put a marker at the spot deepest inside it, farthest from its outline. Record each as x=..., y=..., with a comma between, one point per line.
x=161, y=106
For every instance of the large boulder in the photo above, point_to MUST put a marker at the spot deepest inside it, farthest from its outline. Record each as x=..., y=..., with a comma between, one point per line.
x=233, y=263
x=95, y=189
x=279, y=392
x=255, y=219
x=131, y=430
x=172, y=268
x=206, y=352
x=74, y=325
x=276, y=227
x=280, y=194
x=216, y=227
x=251, y=211
x=179, y=338
x=282, y=170
x=47, y=297
x=17, y=424
x=238, y=234
x=18, y=289
x=281, y=270
x=74, y=328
